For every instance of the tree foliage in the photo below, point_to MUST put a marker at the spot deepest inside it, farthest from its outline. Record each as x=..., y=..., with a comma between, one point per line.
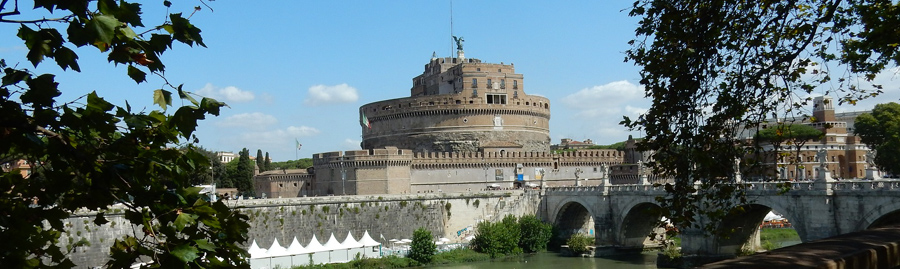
x=260, y=161
x=793, y=135
x=422, y=248
x=206, y=175
x=92, y=154
x=716, y=68
x=880, y=130
x=579, y=243
x=293, y=164
x=242, y=175
x=535, y=234
x=498, y=238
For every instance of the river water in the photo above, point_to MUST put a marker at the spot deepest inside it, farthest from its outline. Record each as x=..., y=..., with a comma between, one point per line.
x=553, y=260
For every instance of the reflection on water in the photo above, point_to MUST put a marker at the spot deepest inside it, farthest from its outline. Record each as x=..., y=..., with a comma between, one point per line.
x=552, y=260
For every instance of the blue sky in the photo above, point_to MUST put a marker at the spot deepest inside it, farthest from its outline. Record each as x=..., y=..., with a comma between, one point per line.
x=301, y=69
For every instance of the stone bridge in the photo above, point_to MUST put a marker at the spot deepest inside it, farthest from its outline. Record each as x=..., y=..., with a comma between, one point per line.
x=620, y=215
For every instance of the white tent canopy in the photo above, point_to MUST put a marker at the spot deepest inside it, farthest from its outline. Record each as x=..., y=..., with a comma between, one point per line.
x=332, y=251
x=255, y=251
x=276, y=250
x=772, y=216
x=367, y=240
x=295, y=247
x=314, y=245
x=332, y=243
x=350, y=242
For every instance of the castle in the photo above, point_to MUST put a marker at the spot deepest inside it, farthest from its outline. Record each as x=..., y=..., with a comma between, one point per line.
x=467, y=125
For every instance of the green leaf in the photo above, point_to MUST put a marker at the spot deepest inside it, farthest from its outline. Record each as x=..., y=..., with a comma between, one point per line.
x=13, y=76
x=95, y=102
x=205, y=245
x=185, y=253
x=65, y=57
x=185, y=120
x=211, y=106
x=127, y=32
x=43, y=90
x=104, y=28
x=183, y=95
x=184, y=219
x=162, y=97
x=136, y=74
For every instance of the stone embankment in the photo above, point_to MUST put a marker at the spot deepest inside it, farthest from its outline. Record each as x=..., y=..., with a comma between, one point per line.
x=451, y=215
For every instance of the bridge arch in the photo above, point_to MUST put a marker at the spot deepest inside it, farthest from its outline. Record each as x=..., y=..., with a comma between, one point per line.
x=573, y=216
x=882, y=215
x=740, y=225
x=638, y=224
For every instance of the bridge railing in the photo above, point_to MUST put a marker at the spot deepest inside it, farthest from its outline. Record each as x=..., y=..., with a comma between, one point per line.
x=608, y=188
x=842, y=185
x=863, y=185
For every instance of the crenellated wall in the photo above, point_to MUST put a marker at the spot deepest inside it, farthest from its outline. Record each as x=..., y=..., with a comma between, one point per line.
x=397, y=171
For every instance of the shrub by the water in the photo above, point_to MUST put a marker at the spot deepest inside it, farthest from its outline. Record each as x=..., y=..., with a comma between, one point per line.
x=500, y=238
x=578, y=243
x=422, y=247
x=535, y=234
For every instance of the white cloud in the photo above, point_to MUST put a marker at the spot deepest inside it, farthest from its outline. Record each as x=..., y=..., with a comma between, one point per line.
x=337, y=94
x=350, y=144
x=253, y=120
x=606, y=100
x=278, y=138
x=227, y=94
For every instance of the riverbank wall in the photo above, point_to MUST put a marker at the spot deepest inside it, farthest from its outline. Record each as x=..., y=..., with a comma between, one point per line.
x=449, y=215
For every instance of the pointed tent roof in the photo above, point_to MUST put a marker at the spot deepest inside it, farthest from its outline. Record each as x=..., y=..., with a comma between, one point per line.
x=295, y=247
x=255, y=251
x=367, y=240
x=332, y=243
x=314, y=245
x=350, y=242
x=276, y=250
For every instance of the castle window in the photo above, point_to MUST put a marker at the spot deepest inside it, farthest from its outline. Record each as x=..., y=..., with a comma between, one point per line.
x=496, y=99
x=474, y=83
x=458, y=102
x=503, y=84
x=474, y=93
x=478, y=69
x=489, y=84
x=515, y=84
x=515, y=94
x=295, y=184
x=499, y=71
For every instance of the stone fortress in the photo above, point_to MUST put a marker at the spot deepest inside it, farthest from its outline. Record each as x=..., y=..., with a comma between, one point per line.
x=468, y=125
